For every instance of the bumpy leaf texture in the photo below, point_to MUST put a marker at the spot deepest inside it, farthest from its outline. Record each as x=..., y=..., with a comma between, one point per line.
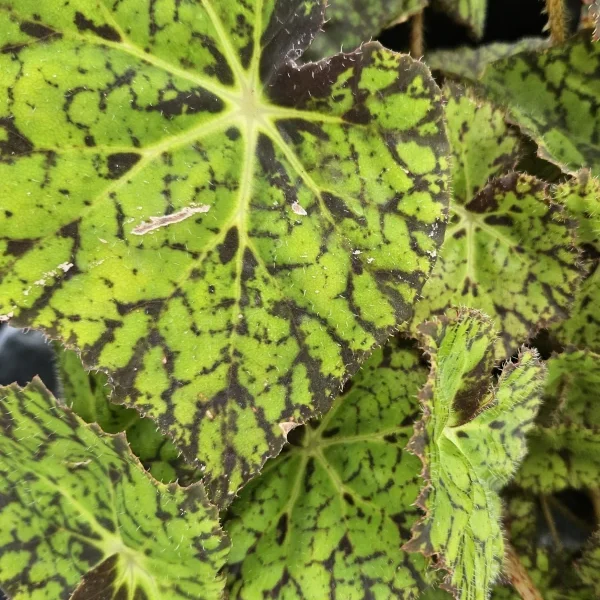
x=509, y=249
x=79, y=514
x=564, y=449
x=470, y=63
x=327, y=518
x=554, y=96
x=581, y=197
x=470, y=13
x=470, y=440
x=88, y=396
x=226, y=235
x=350, y=23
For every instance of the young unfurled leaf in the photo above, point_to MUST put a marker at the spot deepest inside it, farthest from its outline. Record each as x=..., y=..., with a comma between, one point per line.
x=554, y=96
x=546, y=537
x=470, y=440
x=240, y=233
x=350, y=23
x=328, y=517
x=508, y=249
x=564, y=449
x=88, y=396
x=76, y=505
x=470, y=63
x=470, y=13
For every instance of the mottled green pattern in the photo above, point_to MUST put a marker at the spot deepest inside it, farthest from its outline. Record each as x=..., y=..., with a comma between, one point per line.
x=352, y=22
x=508, y=252
x=508, y=249
x=564, y=450
x=240, y=233
x=76, y=503
x=482, y=144
x=554, y=95
x=470, y=13
x=88, y=395
x=470, y=440
x=470, y=63
x=327, y=518
x=581, y=196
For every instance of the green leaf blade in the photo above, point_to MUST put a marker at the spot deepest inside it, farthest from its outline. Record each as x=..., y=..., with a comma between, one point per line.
x=87, y=509
x=216, y=184
x=329, y=515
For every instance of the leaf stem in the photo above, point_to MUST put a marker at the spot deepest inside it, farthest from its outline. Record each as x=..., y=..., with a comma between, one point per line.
x=518, y=575
x=416, y=35
x=556, y=20
x=550, y=521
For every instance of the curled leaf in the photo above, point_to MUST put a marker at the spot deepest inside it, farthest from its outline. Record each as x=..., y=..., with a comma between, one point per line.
x=470, y=441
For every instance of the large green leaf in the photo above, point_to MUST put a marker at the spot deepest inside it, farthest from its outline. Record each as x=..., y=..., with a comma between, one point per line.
x=76, y=504
x=509, y=250
x=240, y=233
x=327, y=518
x=88, y=396
x=565, y=447
x=470, y=13
x=470, y=440
x=470, y=63
x=555, y=97
x=349, y=23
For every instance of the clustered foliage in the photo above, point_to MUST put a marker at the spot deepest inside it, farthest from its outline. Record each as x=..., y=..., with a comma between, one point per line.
x=296, y=298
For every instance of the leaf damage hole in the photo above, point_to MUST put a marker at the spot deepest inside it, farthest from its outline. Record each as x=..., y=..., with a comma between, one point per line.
x=176, y=217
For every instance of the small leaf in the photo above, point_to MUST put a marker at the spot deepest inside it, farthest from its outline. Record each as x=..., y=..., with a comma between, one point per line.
x=351, y=23
x=470, y=440
x=553, y=97
x=470, y=63
x=508, y=252
x=240, y=233
x=564, y=450
x=77, y=504
x=327, y=517
x=508, y=249
x=470, y=13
